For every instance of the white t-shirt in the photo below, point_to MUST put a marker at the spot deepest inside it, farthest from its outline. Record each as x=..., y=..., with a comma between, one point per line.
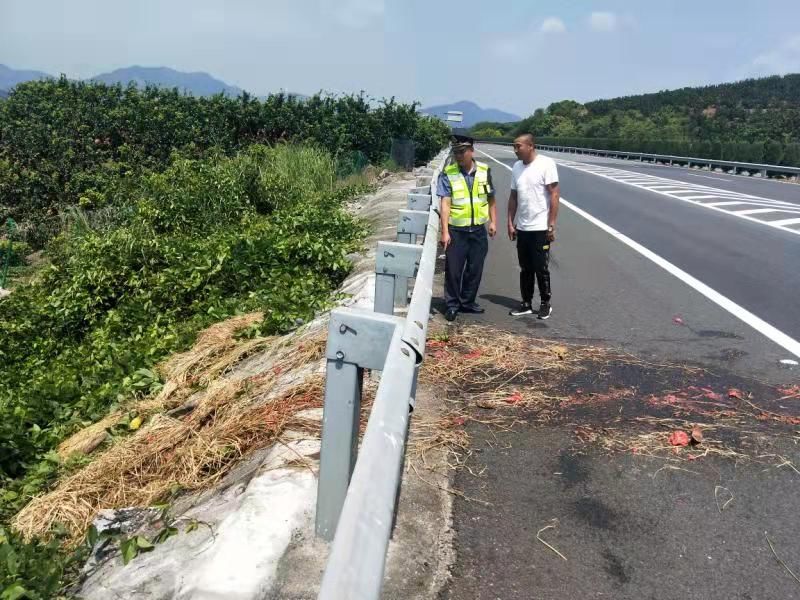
x=533, y=198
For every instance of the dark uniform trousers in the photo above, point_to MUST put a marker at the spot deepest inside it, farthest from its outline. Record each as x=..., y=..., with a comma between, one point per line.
x=464, y=260
x=533, y=251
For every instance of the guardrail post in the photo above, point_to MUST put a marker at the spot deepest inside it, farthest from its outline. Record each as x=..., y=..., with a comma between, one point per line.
x=419, y=202
x=357, y=340
x=400, y=282
x=342, y=410
x=412, y=223
x=393, y=260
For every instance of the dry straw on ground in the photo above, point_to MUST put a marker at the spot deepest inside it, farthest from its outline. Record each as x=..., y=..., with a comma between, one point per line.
x=222, y=419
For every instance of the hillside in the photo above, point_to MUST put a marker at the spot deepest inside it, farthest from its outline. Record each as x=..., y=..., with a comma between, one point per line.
x=473, y=114
x=756, y=120
x=198, y=83
x=10, y=77
x=765, y=92
x=754, y=110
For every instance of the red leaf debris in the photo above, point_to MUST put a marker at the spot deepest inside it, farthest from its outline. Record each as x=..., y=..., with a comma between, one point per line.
x=436, y=344
x=679, y=438
x=514, y=398
x=734, y=393
x=789, y=392
x=678, y=320
x=473, y=354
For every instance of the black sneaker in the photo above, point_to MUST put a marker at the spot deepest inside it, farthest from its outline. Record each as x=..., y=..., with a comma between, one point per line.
x=475, y=309
x=451, y=314
x=545, y=310
x=524, y=309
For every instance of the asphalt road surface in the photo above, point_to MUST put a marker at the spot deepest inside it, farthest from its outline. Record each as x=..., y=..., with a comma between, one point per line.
x=605, y=292
x=666, y=279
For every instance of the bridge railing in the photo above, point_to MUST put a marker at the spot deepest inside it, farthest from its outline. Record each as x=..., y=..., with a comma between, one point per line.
x=733, y=167
x=359, y=487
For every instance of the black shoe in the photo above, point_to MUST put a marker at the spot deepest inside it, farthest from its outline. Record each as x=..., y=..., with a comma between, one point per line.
x=451, y=314
x=545, y=310
x=475, y=309
x=524, y=309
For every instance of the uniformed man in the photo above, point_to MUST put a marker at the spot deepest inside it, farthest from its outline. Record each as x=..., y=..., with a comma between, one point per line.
x=468, y=205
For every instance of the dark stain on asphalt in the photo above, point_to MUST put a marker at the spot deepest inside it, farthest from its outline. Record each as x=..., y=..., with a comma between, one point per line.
x=596, y=513
x=573, y=469
x=722, y=335
x=727, y=355
x=615, y=567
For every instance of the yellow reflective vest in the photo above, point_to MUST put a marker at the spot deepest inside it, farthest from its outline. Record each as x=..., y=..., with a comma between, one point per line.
x=468, y=206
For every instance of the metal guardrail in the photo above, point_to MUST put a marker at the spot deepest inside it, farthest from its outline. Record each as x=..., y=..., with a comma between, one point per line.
x=358, y=490
x=734, y=166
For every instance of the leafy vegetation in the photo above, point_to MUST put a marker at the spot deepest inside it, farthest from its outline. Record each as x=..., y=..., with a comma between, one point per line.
x=203, y=240
x=159, y=214
x=757, y=120
x=66, y=143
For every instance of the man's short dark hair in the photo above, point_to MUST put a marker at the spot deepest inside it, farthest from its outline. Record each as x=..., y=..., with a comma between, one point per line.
x=528, y=137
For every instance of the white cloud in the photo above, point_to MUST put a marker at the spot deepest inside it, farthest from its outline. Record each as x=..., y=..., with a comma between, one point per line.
x=358, y=14
x=780, y=60
x=603, y=21
x=553, y=25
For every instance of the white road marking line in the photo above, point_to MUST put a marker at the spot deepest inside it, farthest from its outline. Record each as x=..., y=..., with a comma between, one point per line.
x=755, y=211
x=663, y=165
x=655, y=179
x=772, y=333
x=786, y=222
x=656, y=188
x=613, y=175
x=715, y=204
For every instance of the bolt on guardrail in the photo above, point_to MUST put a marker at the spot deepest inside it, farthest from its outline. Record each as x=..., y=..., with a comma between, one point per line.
x=358, y=490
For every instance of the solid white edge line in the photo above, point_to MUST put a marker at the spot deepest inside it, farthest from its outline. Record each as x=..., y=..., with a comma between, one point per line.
x=744, y=315
x=683, y=199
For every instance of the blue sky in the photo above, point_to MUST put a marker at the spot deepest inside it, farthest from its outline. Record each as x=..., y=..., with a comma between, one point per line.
x=515, y=55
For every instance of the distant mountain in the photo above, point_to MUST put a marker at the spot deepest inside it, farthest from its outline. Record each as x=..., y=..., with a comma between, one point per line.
x=198, y=83
x=472, y=113
x=10, y=77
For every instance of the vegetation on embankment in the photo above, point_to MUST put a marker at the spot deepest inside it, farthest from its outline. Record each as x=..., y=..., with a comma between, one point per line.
x=756, y=120
x=65, y=143
x=204, y=240
x=159, y=214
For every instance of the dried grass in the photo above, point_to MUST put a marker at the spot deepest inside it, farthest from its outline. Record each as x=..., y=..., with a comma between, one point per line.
x=490, y=359
x=229, y=419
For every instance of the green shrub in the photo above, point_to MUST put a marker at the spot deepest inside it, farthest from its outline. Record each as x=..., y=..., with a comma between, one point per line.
x=65, y=143
x=35, y=570
x=206, y=239
x=14, y=252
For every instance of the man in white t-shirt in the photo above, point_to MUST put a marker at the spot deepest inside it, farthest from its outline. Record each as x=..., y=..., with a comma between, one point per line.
x=532, y=212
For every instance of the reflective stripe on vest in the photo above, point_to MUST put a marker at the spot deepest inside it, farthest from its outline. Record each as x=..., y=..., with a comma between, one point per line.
x=468, y=207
